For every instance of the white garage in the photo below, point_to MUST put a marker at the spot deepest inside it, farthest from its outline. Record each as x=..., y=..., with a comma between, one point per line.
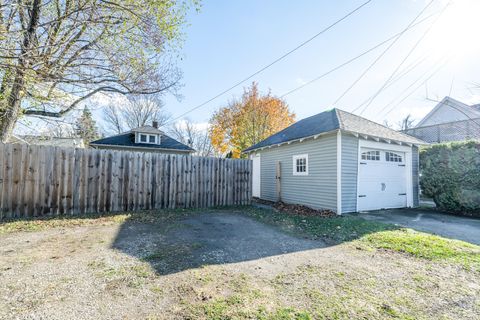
x=339, y=161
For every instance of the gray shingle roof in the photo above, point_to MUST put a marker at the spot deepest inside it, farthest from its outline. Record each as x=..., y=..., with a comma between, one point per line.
x=128, y=140
x=331, y=120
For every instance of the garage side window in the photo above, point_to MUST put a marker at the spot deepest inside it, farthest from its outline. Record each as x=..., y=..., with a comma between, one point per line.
x=300, y=165
x=393, y=157
x=371, y=155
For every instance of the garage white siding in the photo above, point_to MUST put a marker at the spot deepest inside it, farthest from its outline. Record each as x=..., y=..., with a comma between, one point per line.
x=318, y=189
x=349, y=172
x=415, y=176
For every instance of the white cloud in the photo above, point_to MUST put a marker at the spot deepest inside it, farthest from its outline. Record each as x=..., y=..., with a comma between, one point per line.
x=201, y=126
x=300, y=81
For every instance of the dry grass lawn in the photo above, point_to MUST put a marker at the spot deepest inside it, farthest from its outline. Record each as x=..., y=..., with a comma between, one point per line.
x=78, y=269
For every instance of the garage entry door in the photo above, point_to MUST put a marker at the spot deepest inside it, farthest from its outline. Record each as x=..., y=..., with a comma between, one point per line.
x=382, y=180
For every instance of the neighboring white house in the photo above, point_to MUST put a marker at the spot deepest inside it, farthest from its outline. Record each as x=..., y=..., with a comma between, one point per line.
x=449, y=120
x=339, y=161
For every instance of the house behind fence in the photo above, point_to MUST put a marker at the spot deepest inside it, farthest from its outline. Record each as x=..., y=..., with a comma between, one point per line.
x=449, y=120
x=41, y=180
x=445, y=132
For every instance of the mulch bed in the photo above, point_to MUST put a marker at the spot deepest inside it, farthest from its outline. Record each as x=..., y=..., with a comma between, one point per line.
x=297, y=209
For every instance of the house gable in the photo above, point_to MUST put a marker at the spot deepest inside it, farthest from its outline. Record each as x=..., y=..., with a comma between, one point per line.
x=449, y=110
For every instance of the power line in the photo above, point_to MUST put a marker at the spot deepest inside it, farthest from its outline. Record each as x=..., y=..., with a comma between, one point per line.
x=406, y=71
x=403, y=61
x=414, y=90
x=383, y=53
x=274, y=62
x=352, y=59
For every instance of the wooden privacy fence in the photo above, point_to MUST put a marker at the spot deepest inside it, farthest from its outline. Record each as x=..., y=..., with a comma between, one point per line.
x=40, y=180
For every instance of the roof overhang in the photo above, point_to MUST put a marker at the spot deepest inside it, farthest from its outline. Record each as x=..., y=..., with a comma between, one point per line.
x=139, y=148
x=386, y=140
x=315, y=136
x=356, y=134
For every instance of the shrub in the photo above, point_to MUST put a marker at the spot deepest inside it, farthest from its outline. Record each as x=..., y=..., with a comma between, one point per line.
x=450, y=174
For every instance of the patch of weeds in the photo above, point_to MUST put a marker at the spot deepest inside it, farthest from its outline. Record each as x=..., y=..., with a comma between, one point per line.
x=289, y=314
x=49, y=222
x=97, y=264
x=138, y=271
x=172, y=253
x=157, y=290
x=33, y=224
x=235, y=297
x=203, y=275
x=141, y=271
x=332, y=229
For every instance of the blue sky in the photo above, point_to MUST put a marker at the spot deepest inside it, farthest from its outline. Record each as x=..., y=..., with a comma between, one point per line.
x=229, y=40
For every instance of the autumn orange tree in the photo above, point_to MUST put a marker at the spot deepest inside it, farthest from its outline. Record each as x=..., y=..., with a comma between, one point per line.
x=248, y=120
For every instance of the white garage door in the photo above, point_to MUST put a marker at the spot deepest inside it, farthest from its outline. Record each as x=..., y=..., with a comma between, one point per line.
x=382, y=181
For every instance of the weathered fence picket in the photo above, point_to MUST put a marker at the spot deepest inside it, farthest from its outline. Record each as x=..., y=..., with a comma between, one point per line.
x=39, y=180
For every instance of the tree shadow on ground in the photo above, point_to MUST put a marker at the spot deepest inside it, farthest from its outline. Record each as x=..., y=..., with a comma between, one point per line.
x=218, y=237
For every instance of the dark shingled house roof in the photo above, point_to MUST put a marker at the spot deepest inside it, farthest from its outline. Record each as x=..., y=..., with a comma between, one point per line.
x=332, y=120
x=128, y=140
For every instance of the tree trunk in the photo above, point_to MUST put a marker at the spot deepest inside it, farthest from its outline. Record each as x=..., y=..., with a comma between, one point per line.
x=11, y=113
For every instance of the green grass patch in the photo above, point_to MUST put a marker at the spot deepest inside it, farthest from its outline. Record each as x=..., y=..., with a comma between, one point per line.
x=373, y=235
x=426, y=246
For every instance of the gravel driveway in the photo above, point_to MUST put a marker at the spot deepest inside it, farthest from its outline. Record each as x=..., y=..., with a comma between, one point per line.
x=213, y=238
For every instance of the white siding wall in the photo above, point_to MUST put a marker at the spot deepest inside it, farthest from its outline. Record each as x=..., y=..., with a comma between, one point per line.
x=318, y=189
x=444, y=114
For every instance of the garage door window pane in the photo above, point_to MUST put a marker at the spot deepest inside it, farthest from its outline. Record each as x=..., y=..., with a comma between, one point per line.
x=393, y=157
x=371, y=155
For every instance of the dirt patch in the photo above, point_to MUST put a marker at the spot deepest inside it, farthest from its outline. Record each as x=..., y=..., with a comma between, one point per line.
x=297, y=209
x=219, y=266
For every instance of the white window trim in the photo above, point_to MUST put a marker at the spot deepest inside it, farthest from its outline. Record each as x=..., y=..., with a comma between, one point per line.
x=294, y=163
x=157, y=138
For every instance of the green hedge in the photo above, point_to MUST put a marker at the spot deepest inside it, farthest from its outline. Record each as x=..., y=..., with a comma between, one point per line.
x=450, y=174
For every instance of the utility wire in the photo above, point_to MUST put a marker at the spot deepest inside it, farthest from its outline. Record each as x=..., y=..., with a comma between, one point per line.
x=406, y=71
x=352, y=59
x=403, y=61
x=414, y=90
x=383, y=53
x=273, y=62
x=406, y=89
